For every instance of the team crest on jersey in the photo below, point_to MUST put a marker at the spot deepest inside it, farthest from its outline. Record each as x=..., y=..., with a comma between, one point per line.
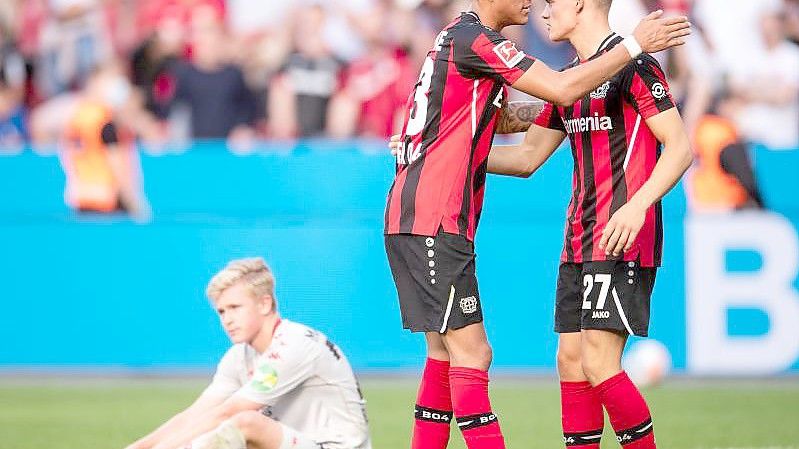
x=468, y=304
x=658, y=91
x=601, y=91
x=264, y=379
x=508, y=53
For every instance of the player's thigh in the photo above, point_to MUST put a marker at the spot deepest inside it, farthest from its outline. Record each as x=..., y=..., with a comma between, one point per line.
x=616, y=297
x=260, y=431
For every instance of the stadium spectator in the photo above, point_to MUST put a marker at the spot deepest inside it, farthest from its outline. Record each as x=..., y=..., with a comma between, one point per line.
x=301, y=93
x=792, y=20
x=214, y=90
x=98, y=153
x=766, y=90
x=13, y=131
x=150, y=65
x=281, y=385
x=73, y=41
x=376, y=86
x=722, y=178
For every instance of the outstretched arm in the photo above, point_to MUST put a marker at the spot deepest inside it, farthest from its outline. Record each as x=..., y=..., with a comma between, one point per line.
x=653, y=34
x=524, y=159
x=183, y=420
x=623, y=227
x=206, y=422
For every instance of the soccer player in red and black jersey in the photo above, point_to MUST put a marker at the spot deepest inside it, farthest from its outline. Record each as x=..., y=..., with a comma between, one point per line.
x=435, y=201
x=614, y=231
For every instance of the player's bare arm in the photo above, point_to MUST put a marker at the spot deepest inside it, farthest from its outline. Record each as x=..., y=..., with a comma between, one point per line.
x=177, y=423
x=654, y=33
x=623, y=227
x=517, y=116
x=207, y=422
x=524, y=159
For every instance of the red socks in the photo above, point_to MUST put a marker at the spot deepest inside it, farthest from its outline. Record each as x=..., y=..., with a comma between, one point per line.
x=433, y=407
x=582, y=415
x=472, y=408
x=628, y=412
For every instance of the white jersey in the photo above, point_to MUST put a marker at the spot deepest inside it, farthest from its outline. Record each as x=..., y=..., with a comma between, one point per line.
x=304, y=381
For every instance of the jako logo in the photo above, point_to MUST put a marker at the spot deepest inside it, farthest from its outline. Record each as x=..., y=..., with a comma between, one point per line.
x=600, y=314
x=583, y=124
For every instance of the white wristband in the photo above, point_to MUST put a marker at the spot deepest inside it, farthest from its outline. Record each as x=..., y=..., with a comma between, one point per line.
x=632, y=46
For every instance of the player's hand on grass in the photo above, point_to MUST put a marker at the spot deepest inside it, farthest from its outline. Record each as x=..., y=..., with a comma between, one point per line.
x=622, y=229
x=394, y=144
x=655, y=33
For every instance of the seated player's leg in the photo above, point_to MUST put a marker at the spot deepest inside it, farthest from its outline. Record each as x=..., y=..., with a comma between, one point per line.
x=253, y=430
x=615, y=305
x=433, y=412
x=226, y=436
x=581, y=412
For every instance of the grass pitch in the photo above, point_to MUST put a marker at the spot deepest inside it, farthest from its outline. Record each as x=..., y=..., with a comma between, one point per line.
x=687, y=414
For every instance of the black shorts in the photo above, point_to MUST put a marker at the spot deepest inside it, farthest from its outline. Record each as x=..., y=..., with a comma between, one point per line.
x=609, y=295
x=435, y=279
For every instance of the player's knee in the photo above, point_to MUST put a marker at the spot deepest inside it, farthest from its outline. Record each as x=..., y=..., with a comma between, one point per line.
x=249, y=421
x=569, y=362
x=598, y=368
x=475, y=356
x=482, y=355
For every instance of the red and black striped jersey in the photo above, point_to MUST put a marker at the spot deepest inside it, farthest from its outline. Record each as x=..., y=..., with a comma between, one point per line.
x=449, y=125
x=614, y=154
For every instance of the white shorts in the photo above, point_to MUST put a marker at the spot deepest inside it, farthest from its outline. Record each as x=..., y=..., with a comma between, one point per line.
x=293, y=439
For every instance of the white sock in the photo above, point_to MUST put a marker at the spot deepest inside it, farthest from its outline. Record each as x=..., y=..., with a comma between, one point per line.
x=226, y=436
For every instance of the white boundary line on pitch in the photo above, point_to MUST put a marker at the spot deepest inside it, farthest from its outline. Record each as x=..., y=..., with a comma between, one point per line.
x=767, y=447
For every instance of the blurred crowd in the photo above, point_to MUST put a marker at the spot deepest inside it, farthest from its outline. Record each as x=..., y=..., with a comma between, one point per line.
x=172, y=70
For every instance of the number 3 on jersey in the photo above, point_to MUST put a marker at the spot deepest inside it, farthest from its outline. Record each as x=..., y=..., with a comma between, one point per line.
x=418, y=115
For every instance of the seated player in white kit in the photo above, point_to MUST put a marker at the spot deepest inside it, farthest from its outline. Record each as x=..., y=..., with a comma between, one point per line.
x=282, y=385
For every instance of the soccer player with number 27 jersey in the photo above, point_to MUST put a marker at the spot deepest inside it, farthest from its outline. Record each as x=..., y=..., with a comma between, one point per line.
x=435, y=201
x=614, y=231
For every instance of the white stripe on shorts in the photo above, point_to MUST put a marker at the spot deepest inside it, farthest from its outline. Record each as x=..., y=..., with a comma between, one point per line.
x=449, y=310
x=621, y=312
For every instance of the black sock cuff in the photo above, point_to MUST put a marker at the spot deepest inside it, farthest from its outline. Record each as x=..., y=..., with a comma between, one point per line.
x=582, y=438
x=635, y=433
x=432, y=415
x=479, y=420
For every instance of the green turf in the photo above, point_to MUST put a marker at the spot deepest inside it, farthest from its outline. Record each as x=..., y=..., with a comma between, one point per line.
x=702, y=415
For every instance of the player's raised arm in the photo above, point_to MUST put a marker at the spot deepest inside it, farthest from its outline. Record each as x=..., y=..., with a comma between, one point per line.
x=653, y=34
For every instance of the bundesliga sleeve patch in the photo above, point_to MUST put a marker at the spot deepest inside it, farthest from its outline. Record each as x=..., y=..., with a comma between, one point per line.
x=264, y=379
x=508, y=53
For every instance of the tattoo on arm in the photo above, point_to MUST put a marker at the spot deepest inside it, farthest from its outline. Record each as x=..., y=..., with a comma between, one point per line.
x=517, y=116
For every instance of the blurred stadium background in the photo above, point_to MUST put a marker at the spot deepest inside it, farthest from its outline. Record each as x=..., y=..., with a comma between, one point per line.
x=248, y=127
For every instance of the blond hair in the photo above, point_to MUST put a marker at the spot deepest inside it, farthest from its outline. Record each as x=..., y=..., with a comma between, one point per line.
x=253, y=272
